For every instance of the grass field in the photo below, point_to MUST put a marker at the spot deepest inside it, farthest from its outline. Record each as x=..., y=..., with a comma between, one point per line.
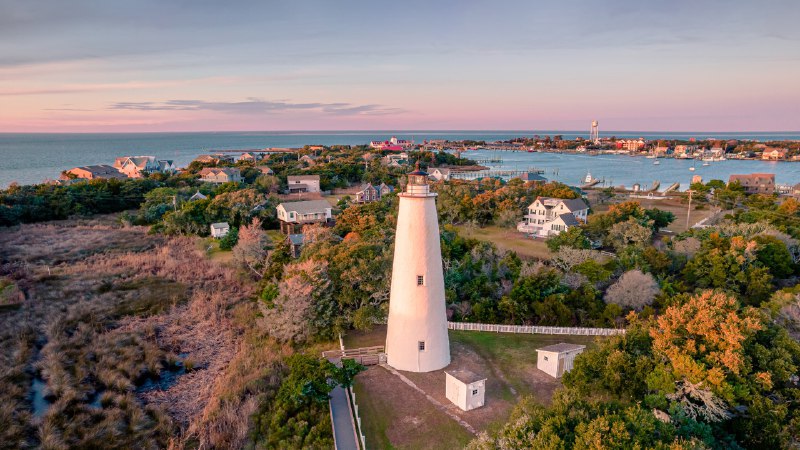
x=396, y=416
x=674, y=206
x=508, y=239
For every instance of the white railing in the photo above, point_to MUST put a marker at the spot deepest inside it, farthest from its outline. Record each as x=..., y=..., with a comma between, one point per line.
x=534, y=329
x=357, y=418
x=351, y=400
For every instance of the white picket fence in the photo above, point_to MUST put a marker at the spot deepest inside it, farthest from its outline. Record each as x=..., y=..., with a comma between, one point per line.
x=534, y=329
x=351, y=397
x=357, y=418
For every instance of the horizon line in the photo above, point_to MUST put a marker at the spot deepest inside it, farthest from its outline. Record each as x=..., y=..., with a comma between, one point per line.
x=388, y=130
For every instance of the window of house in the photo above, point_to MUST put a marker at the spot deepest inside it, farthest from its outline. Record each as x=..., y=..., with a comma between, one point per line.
x=545, y=358
x=474, y=392
x=420, y=280
x=421, y=346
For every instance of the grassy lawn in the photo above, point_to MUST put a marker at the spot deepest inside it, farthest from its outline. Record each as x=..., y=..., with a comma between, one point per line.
x=395, y=416
x=512, y=359
x=508, y=239
x=211, y=248
x=391, y=411
x=276, y=236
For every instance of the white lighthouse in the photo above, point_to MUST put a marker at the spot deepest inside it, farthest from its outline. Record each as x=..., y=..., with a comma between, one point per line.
x=416, y=338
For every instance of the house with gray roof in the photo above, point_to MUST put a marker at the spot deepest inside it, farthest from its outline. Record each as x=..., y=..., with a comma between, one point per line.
x=549, y=216
x=302, y=183
x=294, y=215
x=100, y=171
x=557, y=359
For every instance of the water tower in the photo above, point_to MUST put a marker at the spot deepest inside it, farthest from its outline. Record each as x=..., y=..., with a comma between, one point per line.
x=416, y=337
x=594, y=135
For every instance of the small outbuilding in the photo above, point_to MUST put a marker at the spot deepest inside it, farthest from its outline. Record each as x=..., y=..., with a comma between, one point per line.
x=220, y=229
x=465, y=389
x=556, y=360
x=296, y=244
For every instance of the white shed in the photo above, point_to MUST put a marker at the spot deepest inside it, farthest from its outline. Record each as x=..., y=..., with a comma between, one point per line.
x=556, y=360
x=465, y=389
x=220, y=229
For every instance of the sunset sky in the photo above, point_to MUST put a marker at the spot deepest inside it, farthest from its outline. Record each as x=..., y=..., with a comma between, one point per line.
x=198, y=65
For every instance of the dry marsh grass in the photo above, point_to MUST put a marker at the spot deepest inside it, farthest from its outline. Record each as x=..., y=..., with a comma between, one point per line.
x=106, y=307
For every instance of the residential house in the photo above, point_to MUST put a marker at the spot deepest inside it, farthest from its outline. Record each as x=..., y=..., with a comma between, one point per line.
x=251, y=157
x=632, y=145
x=774, y=154
x=550, y=216
x=220, y=175
x=368, y=193
x=755, y=183
x=310, y=160
x=197, y=196
x=265, y=170
x=207, y=159
x=395, y=159
x=685, y=151
x=136, y=166
x=224, y=157
x=661, y=150
x=220, y=229
x=101, y=171
x=385, y=189
x=531, y=176
x=293, y=215
x=439, y=173
x=303, y=183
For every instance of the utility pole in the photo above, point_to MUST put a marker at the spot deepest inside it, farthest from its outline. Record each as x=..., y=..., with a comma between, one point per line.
x=689, y=209
x=175, y=202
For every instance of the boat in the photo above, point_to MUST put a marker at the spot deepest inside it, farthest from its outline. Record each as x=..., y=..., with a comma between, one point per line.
x=650, y=156
x=706, y=164
x=588, y=179
x=691, y=169
x=656, y=162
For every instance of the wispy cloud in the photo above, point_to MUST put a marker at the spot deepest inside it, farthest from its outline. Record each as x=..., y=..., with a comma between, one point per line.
x=255, y=105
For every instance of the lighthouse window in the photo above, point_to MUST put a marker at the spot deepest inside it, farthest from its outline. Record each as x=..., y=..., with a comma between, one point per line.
x=421, y=345
x=420, y=280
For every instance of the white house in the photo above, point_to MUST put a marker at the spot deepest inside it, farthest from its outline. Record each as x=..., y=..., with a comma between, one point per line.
x=550, y=216
x=293, y=215
x=136, y=166
x=395, y=159
x=220, y=175
x=220, y=229
x=439, y=173
x=558, y=359
x=465, y=389
x=303, y=183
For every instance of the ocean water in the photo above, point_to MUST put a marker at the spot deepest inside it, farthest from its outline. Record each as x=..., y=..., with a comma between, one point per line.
x=32, y=158
x=619, y=170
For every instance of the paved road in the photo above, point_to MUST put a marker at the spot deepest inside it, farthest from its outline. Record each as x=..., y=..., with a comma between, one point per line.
x=343, y=429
